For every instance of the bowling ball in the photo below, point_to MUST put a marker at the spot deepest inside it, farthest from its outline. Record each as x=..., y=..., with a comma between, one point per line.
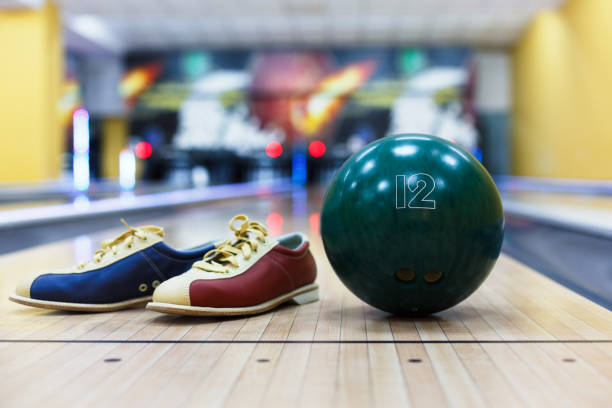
x=412, y=224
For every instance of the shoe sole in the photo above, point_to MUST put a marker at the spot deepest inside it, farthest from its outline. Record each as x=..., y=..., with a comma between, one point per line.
x=300, y=296
x=81, y=307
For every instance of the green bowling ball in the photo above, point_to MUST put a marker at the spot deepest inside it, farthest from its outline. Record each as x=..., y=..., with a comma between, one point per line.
x=412, y=224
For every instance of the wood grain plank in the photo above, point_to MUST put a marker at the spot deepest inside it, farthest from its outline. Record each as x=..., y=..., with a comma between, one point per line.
x=252, y=382
x=225, y=371
x=319, y=384
x=385, y=368
x=354, y=377
x=459, y=388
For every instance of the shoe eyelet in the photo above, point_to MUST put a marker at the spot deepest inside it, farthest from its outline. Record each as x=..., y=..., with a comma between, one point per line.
x=155, y=283
x=143, y=287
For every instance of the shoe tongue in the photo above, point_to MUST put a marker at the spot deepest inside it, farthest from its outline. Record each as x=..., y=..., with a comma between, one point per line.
x=236, y=243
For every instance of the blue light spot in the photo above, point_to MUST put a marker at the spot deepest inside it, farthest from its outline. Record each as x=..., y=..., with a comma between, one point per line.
x=298, y=168
x=477, y=153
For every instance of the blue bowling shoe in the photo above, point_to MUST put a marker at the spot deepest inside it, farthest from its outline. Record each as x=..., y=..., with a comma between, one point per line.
x=123, y=273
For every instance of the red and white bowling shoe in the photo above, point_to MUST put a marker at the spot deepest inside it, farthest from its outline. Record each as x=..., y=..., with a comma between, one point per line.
x=247, y=274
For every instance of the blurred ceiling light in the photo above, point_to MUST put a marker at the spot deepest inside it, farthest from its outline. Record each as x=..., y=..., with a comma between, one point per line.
x=437, y=78
x=96, y=30
x=188, y=23
x=221, y=81
x=304, y=7
x=17, y=4
x=80, y=168
x=80, y=143
x=127, y=169
x=80, y=120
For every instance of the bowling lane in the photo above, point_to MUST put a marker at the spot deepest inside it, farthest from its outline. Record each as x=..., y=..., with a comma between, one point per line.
x=29, y=227
x=566, y=236
x=521, y=338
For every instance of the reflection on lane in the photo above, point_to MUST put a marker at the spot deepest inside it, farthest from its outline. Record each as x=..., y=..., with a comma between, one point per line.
x=577, y=260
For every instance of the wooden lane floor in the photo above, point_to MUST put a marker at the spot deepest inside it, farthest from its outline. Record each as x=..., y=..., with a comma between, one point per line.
x=520, y=340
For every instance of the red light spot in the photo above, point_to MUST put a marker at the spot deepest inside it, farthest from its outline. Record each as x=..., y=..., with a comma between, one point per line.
x=274, y=149
x=143, y=150
x=316, y=149
x=275, y=223
x=315, y=223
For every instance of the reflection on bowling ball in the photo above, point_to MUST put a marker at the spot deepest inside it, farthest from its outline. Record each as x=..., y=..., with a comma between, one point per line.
x=412, y=224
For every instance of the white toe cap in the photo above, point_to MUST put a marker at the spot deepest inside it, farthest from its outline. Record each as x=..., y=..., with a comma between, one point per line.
x=174, y=291
x=23, y=288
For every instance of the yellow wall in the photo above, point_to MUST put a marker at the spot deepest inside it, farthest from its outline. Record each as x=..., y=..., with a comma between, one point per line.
x=114, y=139
x=563, y=93
x=30, y=75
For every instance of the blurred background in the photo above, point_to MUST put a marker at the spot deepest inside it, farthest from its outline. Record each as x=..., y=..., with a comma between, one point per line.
x=98, y=96
x=121, y=106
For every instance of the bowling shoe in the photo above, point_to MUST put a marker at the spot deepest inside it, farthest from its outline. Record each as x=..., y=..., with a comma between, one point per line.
x=122, y=273
x=247, y=274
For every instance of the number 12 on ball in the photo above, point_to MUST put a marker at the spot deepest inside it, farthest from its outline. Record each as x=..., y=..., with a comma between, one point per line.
x=420, y=186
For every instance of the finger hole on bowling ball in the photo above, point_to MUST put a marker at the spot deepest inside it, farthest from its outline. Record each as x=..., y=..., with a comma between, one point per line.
x=432, y=276
x=405, y=275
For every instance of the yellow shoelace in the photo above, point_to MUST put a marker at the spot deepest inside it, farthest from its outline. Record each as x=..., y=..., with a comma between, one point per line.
x=111, y=245
x=246, y=240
